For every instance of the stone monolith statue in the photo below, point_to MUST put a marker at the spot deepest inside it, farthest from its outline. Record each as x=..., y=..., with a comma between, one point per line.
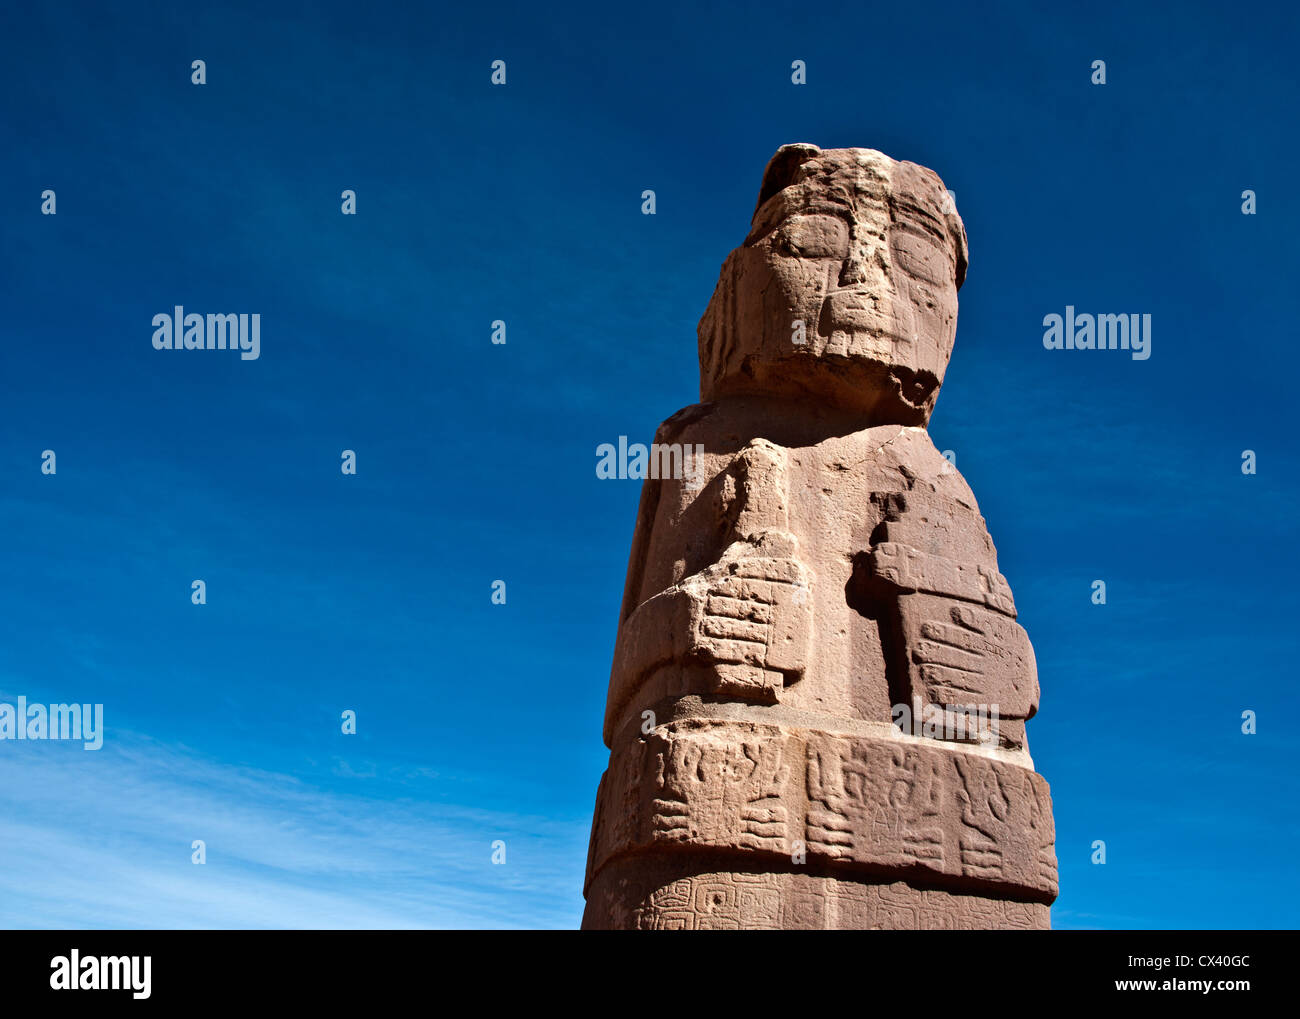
x=816, y=711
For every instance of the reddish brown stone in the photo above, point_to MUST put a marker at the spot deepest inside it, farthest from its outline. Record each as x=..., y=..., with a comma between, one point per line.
x=819, y=566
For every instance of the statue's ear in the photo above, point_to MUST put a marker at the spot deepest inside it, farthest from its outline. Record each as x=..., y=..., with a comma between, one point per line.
x=781, y=168
x=963, y=252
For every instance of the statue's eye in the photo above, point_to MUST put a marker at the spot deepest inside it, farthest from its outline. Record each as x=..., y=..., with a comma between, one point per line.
x=920, y=258
x=815, y=237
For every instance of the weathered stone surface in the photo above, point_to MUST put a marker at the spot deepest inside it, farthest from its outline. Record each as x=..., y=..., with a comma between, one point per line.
x=819, y=566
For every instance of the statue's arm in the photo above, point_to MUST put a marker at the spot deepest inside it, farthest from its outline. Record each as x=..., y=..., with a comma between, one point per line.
x=954, y=619
x=740, y=625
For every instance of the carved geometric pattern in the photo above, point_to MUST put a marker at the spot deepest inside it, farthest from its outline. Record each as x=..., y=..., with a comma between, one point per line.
x=861, y=801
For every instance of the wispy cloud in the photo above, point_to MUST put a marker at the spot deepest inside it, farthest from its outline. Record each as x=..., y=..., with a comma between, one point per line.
x=102, y=839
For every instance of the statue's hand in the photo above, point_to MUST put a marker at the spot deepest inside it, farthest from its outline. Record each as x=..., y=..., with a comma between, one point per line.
x=751, y=617
x=964, y=654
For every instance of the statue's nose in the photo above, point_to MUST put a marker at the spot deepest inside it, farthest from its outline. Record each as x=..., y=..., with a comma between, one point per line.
x=854, y=271
x=868, y=264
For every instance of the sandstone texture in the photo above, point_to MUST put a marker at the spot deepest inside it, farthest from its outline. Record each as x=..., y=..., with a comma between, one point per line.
x=816, y=711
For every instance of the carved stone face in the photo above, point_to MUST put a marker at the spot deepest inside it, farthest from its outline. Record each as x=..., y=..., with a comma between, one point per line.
x=845, y=290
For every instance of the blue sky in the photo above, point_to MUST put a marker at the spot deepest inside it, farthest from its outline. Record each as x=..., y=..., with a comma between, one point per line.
x=476, y=461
